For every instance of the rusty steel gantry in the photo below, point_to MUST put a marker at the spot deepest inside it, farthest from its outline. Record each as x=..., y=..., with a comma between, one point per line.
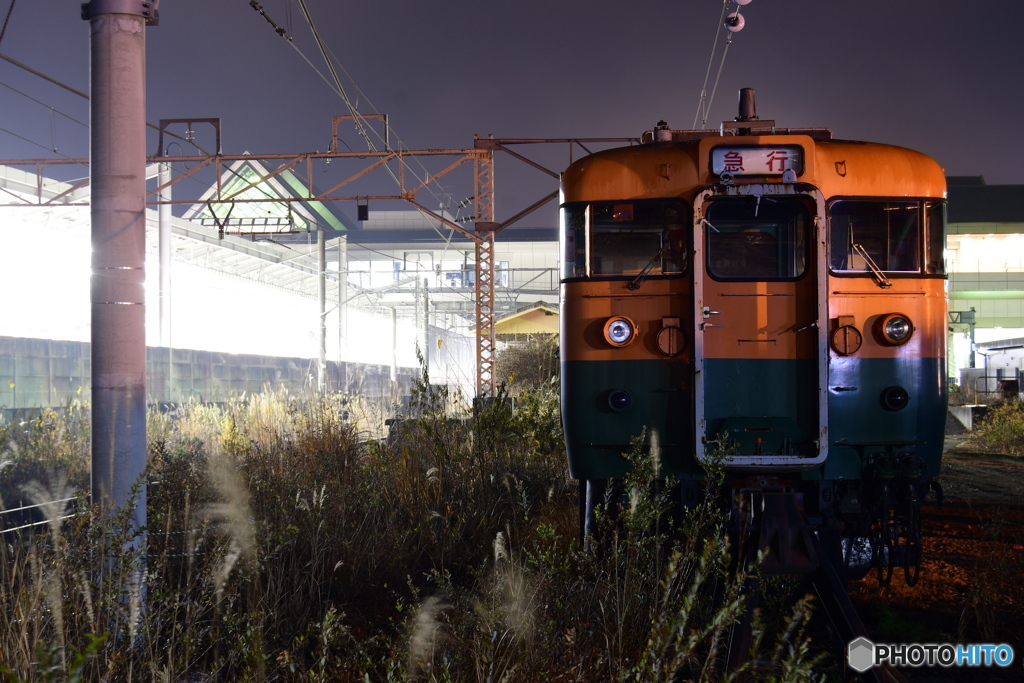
x=485, y=225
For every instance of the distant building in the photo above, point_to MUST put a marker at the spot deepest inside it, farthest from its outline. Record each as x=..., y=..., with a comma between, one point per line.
x=1000, y=372
x=985, y=262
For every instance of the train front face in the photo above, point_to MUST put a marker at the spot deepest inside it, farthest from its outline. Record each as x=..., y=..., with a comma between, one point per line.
x=627, y=308
x=776, y=300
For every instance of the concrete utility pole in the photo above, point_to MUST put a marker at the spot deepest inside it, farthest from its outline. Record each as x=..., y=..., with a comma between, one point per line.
x=117, y=151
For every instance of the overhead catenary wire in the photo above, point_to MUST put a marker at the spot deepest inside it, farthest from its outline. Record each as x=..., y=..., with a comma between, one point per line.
x=718, y=76
x=335, y=84
x=704, y=103
x=445, y=195
x=33, y=142
x=193, y=143
x=334, y=74
x=10, y=11
x=339, y=88
x=86, y=96
x=75, y=91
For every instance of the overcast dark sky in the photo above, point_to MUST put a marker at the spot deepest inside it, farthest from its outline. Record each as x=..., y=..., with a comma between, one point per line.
x=942, y=76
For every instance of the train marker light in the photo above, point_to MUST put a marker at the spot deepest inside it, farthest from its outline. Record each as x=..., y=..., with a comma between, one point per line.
x=619, y=331
x=895, y=329
x=895, y=398
x=620, y=400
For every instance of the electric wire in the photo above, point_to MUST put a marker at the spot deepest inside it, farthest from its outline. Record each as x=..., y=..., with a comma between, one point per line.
x=714, y=89
x=445, y=194
x=75, y=91
x=86, y=97
x=357, y=118
x=339, y=90
x=44, y=104
x=704, y=103
x=32, y=71
x=37, y=144
x=711, y=60
x=333, y=60
x=10, y=11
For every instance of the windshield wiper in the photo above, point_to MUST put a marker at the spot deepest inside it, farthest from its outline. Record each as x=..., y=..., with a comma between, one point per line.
x=880, y=277
x=635, y=284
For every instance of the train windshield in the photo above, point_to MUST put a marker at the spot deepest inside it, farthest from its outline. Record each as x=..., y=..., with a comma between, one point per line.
x=757, y=238
x=625, y=238
x=892, y=236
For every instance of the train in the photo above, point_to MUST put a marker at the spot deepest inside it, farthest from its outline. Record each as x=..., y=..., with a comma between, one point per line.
x=772, y=299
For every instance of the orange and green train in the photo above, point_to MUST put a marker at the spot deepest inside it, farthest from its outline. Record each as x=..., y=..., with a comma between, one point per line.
x=772, y=296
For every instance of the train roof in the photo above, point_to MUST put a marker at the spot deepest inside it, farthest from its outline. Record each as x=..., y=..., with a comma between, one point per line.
x=681, y=166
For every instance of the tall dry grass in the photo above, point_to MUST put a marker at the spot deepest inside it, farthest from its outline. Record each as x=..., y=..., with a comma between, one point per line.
x=285, y=542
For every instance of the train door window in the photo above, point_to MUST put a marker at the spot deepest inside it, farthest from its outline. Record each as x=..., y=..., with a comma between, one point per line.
x=574, y=240
x=757, y=238
x=625, y=238
x=935, y=245
x=886, y=234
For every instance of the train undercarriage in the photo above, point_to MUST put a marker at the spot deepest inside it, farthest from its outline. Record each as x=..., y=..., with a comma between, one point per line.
x=827, y=532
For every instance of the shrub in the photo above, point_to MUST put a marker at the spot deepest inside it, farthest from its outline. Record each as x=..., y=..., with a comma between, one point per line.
x=530, y=364
x=1001, y=430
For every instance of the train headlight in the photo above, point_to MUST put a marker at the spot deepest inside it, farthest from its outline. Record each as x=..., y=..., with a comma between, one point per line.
x=895, y=329
x=895, y=398
x=620, y=400
x=619, y=331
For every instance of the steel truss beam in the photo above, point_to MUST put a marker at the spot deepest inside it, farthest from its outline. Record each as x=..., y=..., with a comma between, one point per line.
x=485, y=229
x=483, y=234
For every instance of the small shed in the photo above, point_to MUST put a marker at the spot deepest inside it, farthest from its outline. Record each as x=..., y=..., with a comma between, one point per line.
x=537, y=319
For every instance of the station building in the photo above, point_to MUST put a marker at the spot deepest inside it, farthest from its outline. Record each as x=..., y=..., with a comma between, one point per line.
x=985, y=262
x=240, y=309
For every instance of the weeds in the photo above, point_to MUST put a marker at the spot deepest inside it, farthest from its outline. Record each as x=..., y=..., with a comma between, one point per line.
x=991, y=599
x=285, y=542
x=1002, y=430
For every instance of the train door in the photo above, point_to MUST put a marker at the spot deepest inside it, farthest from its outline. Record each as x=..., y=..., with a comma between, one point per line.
x=760, y=319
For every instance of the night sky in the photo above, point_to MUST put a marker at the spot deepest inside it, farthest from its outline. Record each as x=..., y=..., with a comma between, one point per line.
x=943, y=76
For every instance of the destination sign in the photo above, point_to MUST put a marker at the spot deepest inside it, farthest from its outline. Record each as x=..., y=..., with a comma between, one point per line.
x=757, y=160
